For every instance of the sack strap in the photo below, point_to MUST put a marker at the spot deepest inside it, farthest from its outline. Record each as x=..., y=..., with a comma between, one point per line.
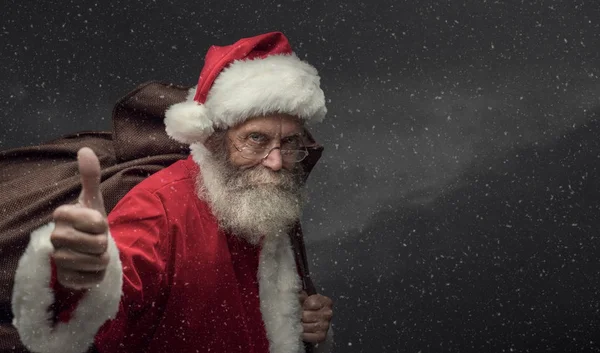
x=297, y=241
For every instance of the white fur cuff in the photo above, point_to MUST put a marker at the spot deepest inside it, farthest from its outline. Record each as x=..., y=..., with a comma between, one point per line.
x=32, y=297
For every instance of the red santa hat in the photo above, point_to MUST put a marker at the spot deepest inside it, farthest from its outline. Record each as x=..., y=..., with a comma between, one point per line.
x=252, y=77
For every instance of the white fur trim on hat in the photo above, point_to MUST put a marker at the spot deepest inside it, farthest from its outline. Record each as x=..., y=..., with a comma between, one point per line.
x=188, y=122
x=249, y=88
x=32, y=296
x=275, y=84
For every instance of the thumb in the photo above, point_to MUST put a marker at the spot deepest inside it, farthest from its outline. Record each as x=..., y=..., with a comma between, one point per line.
x=89, y=170
x=302, y=297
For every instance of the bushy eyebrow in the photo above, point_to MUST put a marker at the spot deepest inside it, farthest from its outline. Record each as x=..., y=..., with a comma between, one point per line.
x=257, y=131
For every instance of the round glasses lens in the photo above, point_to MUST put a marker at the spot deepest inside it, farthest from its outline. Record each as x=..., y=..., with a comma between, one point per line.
x=253, y=153
x=293, y=155
x=286, y=155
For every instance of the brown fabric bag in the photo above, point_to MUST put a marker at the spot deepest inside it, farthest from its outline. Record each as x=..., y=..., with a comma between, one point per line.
x=35, y=180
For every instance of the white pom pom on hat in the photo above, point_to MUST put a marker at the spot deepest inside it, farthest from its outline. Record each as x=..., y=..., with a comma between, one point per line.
x=252, y=77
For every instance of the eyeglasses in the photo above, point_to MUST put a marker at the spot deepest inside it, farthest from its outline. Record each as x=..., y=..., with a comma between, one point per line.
x=258, y=146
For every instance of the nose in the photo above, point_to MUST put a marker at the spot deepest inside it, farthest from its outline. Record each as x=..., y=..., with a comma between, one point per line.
x=273, y=160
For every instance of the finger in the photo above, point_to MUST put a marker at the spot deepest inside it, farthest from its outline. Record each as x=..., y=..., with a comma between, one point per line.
x=315, y=327
x=79, y=280
x=314, y=337
x=78, y=262
x=82, y=219
x=89, y=170
x=310, y=316
x=302, y=297
x=70, y=238
x=316, y=302
x=326, y=314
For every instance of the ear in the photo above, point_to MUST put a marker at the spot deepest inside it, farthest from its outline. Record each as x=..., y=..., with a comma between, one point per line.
x=217, y=140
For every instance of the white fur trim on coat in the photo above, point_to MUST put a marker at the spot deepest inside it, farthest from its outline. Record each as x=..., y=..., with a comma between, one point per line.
x=249, y=88
x=279, y=286
x=32, y=296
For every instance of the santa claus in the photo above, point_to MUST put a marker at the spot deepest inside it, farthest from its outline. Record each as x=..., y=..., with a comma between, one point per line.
x=197, y=257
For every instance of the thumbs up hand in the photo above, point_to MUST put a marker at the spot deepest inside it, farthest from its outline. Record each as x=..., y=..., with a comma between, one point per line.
x=80, y=235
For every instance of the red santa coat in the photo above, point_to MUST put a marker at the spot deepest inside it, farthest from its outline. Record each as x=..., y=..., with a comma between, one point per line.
x=176, y=283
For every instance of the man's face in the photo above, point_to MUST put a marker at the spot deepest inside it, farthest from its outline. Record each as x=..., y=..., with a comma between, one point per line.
x=260, y=194
x=273, y=133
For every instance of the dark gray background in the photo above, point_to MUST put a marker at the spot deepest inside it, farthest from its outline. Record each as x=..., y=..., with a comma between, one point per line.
x=456, y=208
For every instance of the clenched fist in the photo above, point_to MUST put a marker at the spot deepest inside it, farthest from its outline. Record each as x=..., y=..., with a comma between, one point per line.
x=80, y=236
x=317, y=312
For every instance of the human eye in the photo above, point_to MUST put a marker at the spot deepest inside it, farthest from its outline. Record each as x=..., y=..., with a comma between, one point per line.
x=256, y=138
x=291, y=142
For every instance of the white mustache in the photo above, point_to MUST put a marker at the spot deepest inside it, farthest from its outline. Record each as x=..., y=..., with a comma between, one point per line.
x=261, y=176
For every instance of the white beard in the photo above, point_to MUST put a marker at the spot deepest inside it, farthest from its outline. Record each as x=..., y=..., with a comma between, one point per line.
x=253, y=203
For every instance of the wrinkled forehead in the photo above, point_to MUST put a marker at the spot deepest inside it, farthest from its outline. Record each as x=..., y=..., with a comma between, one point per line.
x=276, y=125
